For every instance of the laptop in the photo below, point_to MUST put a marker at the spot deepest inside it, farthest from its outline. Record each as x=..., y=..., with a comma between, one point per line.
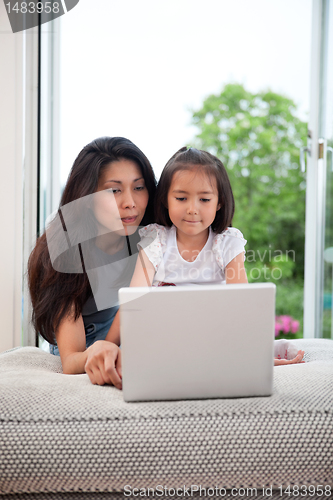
x=195, y=342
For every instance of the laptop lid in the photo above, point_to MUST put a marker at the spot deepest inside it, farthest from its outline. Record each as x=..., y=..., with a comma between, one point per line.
x=210, y=341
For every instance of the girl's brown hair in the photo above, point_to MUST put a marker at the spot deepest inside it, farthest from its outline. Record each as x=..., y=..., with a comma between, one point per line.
x=54, y=294
x=195, y=159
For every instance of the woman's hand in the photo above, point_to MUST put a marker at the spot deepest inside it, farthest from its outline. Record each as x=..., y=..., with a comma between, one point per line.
x=103, y=364
x=297, y=359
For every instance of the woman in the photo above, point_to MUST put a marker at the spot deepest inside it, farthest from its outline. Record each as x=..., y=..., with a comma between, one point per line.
x=87, y=250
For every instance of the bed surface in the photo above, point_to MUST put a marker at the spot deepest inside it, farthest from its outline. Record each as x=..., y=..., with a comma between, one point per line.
x=60, y=435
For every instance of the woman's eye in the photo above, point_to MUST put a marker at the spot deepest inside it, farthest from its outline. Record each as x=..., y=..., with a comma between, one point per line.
x=140, y=188
x=113, y=190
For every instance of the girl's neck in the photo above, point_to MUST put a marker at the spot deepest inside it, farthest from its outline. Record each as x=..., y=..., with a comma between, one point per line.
x=189, y=247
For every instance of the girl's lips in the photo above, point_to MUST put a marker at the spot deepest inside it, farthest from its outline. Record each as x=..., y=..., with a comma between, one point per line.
x=192, y=221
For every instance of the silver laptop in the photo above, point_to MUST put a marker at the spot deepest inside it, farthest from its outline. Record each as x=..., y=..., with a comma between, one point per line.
x=210, y=341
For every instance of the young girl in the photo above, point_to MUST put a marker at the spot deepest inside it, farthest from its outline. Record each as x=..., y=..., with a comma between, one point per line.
x=194, y=241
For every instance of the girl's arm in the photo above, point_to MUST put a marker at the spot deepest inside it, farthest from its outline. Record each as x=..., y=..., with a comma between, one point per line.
x=143, y=275
x=297, y=359
x=144, y=271
x=101, y=361
x=235, y=270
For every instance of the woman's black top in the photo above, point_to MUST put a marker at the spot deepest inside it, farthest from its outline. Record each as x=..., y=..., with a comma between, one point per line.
x=107, y=274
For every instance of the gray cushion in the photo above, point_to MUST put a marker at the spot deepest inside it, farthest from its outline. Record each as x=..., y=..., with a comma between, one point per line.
x=59, y=433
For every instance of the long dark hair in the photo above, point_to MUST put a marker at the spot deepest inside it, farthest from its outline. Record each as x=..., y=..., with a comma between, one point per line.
x=55, y=294
x=191, y=159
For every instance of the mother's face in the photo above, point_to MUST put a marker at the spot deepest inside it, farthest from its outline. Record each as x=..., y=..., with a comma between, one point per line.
x=122, y=198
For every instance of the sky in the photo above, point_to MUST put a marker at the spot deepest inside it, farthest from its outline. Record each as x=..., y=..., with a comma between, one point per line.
x=136, y=68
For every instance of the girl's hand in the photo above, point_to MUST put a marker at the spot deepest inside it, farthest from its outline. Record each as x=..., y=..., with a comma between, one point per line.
x=297, y=359
x=103, y=364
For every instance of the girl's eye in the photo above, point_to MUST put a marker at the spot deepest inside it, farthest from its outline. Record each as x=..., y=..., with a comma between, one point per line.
x=180, y=199
x=205, y=199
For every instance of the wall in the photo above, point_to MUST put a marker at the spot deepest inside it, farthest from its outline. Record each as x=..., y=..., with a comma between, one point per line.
x=18, y=173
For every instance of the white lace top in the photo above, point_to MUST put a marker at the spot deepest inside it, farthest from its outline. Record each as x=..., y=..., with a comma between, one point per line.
x=160, y=245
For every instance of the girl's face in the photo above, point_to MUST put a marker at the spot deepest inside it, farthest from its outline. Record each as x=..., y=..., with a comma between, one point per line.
x=192, y=201
x=121, y=199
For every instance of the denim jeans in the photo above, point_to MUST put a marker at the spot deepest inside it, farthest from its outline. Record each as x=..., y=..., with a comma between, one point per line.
x=94, y=332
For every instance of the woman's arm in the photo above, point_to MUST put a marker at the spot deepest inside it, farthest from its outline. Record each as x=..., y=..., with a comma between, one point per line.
x=101, y=361
x=235, y=270
x=143, y=275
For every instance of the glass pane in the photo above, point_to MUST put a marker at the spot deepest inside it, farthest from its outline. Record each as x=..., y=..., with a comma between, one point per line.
x=328, y=134
x=49, y=172
x=142, y=79
x=146, y=70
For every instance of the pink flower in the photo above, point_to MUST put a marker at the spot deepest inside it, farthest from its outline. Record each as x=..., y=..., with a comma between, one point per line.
x=286, y=323
x=278, y=326
x=294, y=326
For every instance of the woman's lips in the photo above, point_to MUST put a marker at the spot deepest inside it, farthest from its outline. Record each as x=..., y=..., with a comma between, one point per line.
x=129, y=220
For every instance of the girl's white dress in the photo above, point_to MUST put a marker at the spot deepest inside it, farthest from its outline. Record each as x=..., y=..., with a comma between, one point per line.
x=160, y=245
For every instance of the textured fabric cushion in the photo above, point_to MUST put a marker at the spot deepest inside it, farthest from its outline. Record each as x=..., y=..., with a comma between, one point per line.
x=59, y=433
x=243, y=494
x=234, y=494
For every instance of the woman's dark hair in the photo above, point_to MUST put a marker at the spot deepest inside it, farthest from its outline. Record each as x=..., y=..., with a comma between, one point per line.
x=195, y=159
x=55, y=294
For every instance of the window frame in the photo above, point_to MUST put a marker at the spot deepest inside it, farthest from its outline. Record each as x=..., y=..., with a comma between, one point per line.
x=316, y=178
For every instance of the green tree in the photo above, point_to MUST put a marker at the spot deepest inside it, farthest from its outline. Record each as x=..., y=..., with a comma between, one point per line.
x=257, y=137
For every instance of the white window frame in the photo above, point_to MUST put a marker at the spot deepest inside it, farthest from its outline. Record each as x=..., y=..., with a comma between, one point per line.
x=18, y=149
x=31, y=166
x=20, y=138
x=315, y=179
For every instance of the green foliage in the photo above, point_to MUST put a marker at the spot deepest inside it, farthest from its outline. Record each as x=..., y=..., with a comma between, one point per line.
x=257, y=137
x=329, y=200
x=277, y=269
x=328, y=282
x=289, y=300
